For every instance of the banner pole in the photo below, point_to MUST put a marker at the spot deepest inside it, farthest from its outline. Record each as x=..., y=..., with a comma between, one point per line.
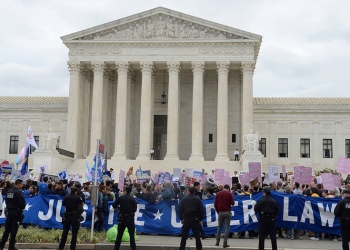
x=95, y=184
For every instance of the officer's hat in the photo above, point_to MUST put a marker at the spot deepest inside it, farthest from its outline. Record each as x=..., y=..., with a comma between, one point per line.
x=346, y=191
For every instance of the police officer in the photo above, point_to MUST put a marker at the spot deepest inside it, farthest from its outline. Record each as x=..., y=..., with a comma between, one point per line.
x=267, y=208
x=15, y=204
x=126, y=207
x=191, y=215
x=342, y=211
x=71, y=218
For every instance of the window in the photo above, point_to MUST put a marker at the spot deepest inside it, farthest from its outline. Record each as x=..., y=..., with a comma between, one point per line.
x=282, y=147
x=305, y=148
x=347, y=148
x=13, y=144
x=262, y=146
x=327, y=148
x=210, y=137
x=233, y=137
x=36, y=138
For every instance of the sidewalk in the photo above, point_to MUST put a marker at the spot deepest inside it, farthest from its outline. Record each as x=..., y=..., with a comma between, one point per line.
x=152, y=242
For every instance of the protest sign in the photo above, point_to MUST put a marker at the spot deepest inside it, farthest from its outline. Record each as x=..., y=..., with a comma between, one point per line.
x=244, y=179
x=142, y=175
x=63, y=175
x=255, y=170
x=343, y=165
x=274, y=175
x=219, y=175
x=254, y=182
x=189, y=172
x=121, y=180
x=284, y=171
x=43, y=169
x=197, y=175
x=7, y=169
x=177, y=172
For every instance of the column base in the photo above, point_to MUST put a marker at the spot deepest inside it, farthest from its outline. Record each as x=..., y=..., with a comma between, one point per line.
x=143, y=156
x=196, y=157
x=222, y=157
x=171, y=157
x=119, y=156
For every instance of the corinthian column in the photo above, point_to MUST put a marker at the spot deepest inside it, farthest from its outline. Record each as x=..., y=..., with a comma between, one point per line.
x=197, y=112
x=121, y=110
x=96, y=107
x=73, y=121
x=173, y=112
x=247, y=97
x=222, y=110
x=146, y=110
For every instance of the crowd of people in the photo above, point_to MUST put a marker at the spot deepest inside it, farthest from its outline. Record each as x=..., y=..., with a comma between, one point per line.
x=153, y=193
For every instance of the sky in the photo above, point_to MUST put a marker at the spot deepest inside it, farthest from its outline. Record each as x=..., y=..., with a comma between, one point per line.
x=305, y=49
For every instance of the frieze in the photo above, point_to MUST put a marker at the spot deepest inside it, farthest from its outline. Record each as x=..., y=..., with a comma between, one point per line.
x=160, y=27
x=214, y=50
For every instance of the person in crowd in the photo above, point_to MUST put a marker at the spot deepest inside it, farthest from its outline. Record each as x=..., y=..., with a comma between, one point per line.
x=222, y=204
x=273, y=186
x=71, y=218
x=110, y=194
x=151, y=153
x=176, y=190
x=168, y=193
x=238, y=190
x=342, y=212
x=59, y=189
x=297, y=189
x=147, y=195
x=43, y=186
x=101, y=208
x=86, y=192
x=267, y=208
x=126, y=207
x=236, y=153
x=279, y=187
x=15, y=205
x=32, y=190
x=191, y=216
x=182, y=193
x=157, y=192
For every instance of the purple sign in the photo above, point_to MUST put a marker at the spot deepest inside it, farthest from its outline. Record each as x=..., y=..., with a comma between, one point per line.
x=244, y=179
x=255, y=171
x=303, y=175
x=219, y=175
x=327, y=181
x=343, y=165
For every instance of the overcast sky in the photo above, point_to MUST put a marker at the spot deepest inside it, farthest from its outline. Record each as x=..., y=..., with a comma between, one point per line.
x=305, y=50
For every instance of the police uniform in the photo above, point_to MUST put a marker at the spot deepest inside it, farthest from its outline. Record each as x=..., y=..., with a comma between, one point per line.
x=15, y=204
x=267, y=208
x=191, y=214
x=71, y=218
x=342, y=211
x=127, y=207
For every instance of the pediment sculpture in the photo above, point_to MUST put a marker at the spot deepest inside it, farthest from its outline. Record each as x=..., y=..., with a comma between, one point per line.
x=160, y=27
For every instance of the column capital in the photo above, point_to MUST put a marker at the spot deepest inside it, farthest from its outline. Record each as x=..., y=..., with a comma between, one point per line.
x=222, y=67
x=122, y=67
x=98, y=67
x=248, y=67
x=174, y=67
x=73, y=66
x=198, y=67
x=146, y=67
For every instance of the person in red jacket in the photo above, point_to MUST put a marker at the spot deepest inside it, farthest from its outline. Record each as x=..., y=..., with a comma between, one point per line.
x=223, y=202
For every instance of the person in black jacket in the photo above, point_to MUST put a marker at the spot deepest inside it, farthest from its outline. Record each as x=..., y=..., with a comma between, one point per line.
x=191, y=216
x=342, y=211
x=71, y=218
x=147, y=195
x=59, y=189
x=15, y=204
x=267, y=208
x=126, y=207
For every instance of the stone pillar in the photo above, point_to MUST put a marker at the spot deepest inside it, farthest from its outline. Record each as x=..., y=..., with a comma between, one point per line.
x=145, y=110
x=121, y=111
x=97, y=105
x=197, y=112
x=73, y=122
x=247, y=97
x=222, y=112
x=317, y=149
x=173, y=112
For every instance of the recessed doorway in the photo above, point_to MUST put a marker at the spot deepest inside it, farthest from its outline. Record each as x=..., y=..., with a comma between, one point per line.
x=160, y=136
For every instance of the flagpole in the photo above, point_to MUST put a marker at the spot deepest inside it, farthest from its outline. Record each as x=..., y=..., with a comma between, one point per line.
x=95, y=184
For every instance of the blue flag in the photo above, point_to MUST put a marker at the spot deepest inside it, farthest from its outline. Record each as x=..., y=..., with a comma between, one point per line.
x=104, y=166
x=24, y=168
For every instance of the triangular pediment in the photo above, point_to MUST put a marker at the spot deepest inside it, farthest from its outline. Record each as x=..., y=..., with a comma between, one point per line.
x=160, y=24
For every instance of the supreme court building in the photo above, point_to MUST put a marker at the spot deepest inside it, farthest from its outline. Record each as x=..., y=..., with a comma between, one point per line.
x=183, y=86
